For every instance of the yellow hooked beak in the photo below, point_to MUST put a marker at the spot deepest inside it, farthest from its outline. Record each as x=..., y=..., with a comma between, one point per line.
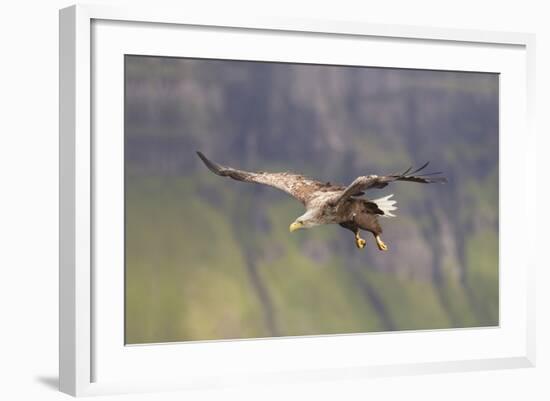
x=296, y=226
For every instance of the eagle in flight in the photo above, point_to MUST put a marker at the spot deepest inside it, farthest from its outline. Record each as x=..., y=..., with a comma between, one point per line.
x=328, y=203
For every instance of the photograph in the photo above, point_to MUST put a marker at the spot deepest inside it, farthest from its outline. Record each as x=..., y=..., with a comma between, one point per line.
x=271, y=199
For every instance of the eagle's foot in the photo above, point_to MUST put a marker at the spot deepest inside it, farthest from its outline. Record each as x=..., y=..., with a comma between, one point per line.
x=380, y=243
x=359, y=242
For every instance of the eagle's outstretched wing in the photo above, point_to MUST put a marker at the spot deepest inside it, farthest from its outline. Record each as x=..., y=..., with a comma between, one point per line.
x=300, y=187
x=374, y=181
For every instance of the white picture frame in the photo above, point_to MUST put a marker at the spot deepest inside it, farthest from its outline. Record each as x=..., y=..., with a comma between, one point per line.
x=83, y=61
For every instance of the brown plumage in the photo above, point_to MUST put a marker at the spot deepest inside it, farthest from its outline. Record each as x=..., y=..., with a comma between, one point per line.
x=328, y=203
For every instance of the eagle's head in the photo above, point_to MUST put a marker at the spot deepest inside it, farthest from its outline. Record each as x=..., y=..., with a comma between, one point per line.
x=307, y=220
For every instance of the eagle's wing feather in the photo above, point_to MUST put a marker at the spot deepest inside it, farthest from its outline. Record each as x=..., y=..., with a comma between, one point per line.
x=296, y=185
x=374, y=181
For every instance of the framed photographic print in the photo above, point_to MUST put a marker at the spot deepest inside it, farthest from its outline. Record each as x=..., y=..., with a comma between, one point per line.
x=280, y=200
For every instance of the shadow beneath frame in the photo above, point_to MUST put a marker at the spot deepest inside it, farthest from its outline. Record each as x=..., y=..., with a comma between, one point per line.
x=51, y=382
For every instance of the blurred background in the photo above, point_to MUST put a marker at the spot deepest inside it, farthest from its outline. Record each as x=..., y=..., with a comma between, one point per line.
x=211, y=258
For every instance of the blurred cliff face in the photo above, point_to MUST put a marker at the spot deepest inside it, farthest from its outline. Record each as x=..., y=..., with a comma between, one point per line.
x=209, y=258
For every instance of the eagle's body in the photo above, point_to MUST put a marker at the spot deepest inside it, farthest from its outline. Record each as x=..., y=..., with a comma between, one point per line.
x=328, y=203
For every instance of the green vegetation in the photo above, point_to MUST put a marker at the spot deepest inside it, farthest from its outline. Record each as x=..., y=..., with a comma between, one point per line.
x=187, y=276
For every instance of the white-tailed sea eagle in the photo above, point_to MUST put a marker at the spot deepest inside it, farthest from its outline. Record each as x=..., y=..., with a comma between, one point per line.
x=328, y=203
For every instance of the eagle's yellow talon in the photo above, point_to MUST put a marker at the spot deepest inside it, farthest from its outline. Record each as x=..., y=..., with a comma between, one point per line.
x=380, y=243
x=359, y=242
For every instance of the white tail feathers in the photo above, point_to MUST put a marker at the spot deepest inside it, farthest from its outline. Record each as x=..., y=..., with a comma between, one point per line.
x=386, y=205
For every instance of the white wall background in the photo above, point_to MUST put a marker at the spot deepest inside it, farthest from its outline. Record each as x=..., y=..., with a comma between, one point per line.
x=29, y=199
